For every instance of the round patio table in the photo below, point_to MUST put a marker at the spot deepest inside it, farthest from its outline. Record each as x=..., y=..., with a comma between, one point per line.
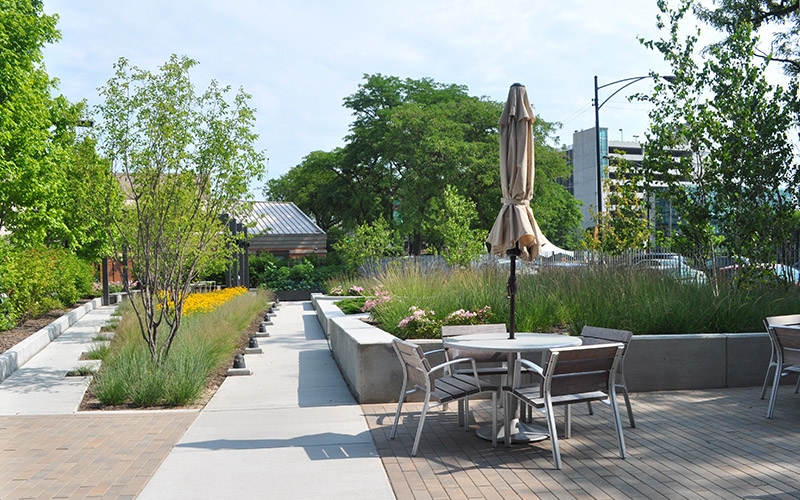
x=513, y=348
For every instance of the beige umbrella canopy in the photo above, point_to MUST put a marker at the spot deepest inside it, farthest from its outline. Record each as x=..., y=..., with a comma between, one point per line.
x=515, y=232
x=515, y=227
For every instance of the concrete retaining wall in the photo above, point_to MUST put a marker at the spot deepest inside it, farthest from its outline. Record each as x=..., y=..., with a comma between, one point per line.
x=654, y=362
x=12, y=359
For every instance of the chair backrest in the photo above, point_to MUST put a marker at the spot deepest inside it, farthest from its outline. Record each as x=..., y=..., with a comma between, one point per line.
x=598, y=335
x=788, y=341
x=416, y=367
x=785, y=320
x=478, y=356
x=585, y=368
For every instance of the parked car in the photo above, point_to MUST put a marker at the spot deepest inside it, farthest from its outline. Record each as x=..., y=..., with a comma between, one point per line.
x=765, y=273
x=673, y=265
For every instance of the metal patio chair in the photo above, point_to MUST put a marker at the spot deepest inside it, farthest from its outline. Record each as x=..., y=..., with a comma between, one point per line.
x=572, y=375
x=592, y=335
x=785, y=320
x=419, y=376
x=786, y=340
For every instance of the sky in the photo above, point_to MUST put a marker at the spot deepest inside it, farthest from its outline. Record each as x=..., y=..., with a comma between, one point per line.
x=299, y=59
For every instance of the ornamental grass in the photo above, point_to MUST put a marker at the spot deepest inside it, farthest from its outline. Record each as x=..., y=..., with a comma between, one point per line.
x=211, y=333
x=565, y=300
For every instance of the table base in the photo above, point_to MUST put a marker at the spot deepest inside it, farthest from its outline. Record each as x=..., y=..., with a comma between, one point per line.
x=521, y=432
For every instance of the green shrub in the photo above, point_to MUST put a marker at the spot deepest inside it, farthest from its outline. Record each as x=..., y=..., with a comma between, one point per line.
x=351, y=306
x=279, y=274
x=39, y=279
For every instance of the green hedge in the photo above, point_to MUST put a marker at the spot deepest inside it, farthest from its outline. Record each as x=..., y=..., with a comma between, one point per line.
x=36, y=280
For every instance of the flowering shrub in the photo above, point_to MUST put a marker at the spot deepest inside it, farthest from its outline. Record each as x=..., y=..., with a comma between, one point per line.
x=463, y=317
x=353, y=290
x=380, y=297
x=420, y=324
x=423, y=324
x=210, y=301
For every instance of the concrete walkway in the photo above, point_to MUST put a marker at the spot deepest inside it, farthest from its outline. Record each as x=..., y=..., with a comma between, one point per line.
x=289, y=430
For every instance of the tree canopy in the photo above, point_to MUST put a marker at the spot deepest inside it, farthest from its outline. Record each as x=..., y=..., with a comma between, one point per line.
x=47, y=166
x=761, y=15
x=184, y=160
x=733, y=182
x=411, y=141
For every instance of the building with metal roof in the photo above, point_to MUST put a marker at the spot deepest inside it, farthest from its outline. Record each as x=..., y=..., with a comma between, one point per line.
x=284, y=230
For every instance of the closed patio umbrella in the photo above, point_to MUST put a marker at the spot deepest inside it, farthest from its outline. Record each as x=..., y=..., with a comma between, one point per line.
x=515, y=232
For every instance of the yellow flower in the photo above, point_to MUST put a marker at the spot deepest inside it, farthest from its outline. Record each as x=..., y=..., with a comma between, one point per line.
x=209, y=301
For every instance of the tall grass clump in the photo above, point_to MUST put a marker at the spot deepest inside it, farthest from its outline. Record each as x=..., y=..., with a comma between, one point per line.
x=567, y=299
x=205, y=344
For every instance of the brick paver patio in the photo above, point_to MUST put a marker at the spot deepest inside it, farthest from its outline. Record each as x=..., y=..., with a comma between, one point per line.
x=86, y=455
x=709, y=444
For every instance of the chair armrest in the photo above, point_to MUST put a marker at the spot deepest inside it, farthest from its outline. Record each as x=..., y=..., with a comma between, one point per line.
x=443, y=351
x=448, y=364
x=530, y=365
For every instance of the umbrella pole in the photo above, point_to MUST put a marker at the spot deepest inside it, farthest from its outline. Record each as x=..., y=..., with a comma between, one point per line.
x=511, y=287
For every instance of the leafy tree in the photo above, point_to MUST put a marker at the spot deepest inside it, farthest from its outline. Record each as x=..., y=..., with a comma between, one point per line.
x=30, y=176
x=453, y=219
x=625, y=224
x=316, y=187
x=183, y=160
x=47, y=194
x=368, y=241
x=734, y=126
x=762, y=15
x=409, y=140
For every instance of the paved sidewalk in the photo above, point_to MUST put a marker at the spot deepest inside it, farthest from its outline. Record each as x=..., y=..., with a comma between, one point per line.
x=40, y=386
x=290, y=430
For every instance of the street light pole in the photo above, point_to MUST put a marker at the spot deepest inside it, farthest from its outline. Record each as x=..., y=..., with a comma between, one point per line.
x=597, y=106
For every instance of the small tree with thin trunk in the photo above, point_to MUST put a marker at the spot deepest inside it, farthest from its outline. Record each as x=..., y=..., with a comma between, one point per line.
x=183, y=159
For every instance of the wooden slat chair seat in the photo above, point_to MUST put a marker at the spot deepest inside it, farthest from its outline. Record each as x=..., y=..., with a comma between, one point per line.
x=592, y=335
x=787, y=341
x=785, y=320
x=419, y=375
x=571, y=375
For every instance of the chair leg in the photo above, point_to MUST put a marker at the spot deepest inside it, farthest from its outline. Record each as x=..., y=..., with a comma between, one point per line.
x=618, y=427
x=766, y=380
x=589, y=405
x=421, y=423
x=628, y=405
x=797, y=385
x=494, y=419
x=567, y=421
x=551, y=428
x=776, y=382
x=396, y=418
x=507, y=419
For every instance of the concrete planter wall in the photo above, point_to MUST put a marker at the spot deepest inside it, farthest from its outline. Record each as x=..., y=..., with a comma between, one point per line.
x=654, y=362
x=293, y=295
x=18, y=355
